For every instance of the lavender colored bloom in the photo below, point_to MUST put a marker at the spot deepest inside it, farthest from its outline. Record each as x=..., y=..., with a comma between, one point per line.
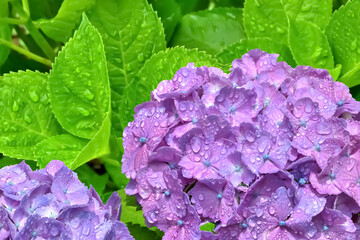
x=332, y=224
x=214, y=200
x=55, y=205
x=322, y=139
x=236, y=228
x=265, y=152
x=43, y=228
x=7, y=230
x=183, y=228
x=185, y=81
x=235, y=104
x=143, y=135
x=234, y=170
x=201, y=163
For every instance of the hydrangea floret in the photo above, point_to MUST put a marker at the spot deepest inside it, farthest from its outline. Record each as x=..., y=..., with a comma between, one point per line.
x=52, y=203
x=265, y=152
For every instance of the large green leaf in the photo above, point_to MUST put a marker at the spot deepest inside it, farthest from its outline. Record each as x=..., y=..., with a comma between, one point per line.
x=79, y=84
x=235, y=51
x=132, y=33
x=309, y=45
x=263, y=18
x=72, y=150
x=343, y=33
x=61, y=27
x=26, y=117
x=161, y=66
x=5, y=31
x=170, y=14
x=210, y=30
x=64, y=147
x=315, y=11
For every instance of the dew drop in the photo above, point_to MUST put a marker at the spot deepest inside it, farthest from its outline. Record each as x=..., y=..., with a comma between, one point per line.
x=271, y=210
x=88, y=94
x=83, y=111
x=201, y=197
x=27, y=118
x=34, y=96
x=15, y=106
x=140, y=57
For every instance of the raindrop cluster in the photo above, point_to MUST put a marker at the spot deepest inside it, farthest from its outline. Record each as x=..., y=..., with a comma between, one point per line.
x=52, y=203
x=265, y=152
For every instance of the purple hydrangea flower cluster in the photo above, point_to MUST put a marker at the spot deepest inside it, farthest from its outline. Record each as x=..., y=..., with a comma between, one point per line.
x=52, y=203
x=265, y=152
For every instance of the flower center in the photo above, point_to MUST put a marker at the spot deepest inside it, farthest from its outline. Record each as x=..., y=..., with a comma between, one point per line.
x=180, y=223
x=142, y=139
x=282, y=223
x=332, y=176
x=302, y=181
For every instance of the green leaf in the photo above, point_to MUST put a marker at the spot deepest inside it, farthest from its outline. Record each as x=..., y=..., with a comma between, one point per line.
x=235, y=51
x=118, y=178
x=351, y=78
x=161, y=66
x=335, y=72
x=26, y=118
x=132, y=33
x=343, y=32
x=5, y=31
x=170, y=14
x=139, y=232
x=207, y=227
x=63, y=147
x=315, y=11
x=309, y=45
x=263, y=18
x=72, y=150
x=61, y=27
x=89, y=177
x=210, y=30
x=79, y=85
x=130, y=212
x=112, y=162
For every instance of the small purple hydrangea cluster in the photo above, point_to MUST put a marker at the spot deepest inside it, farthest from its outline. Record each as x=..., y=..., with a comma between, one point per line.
x=265, y=152
x=52, y=203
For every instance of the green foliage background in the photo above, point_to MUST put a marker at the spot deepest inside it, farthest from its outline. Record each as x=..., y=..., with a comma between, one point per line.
x=72, y=71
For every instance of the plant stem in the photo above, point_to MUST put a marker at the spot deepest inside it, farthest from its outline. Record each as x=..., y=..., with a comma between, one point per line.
x=35, y=33
x=15, y=21
x=25, y=52
x=26, y=8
